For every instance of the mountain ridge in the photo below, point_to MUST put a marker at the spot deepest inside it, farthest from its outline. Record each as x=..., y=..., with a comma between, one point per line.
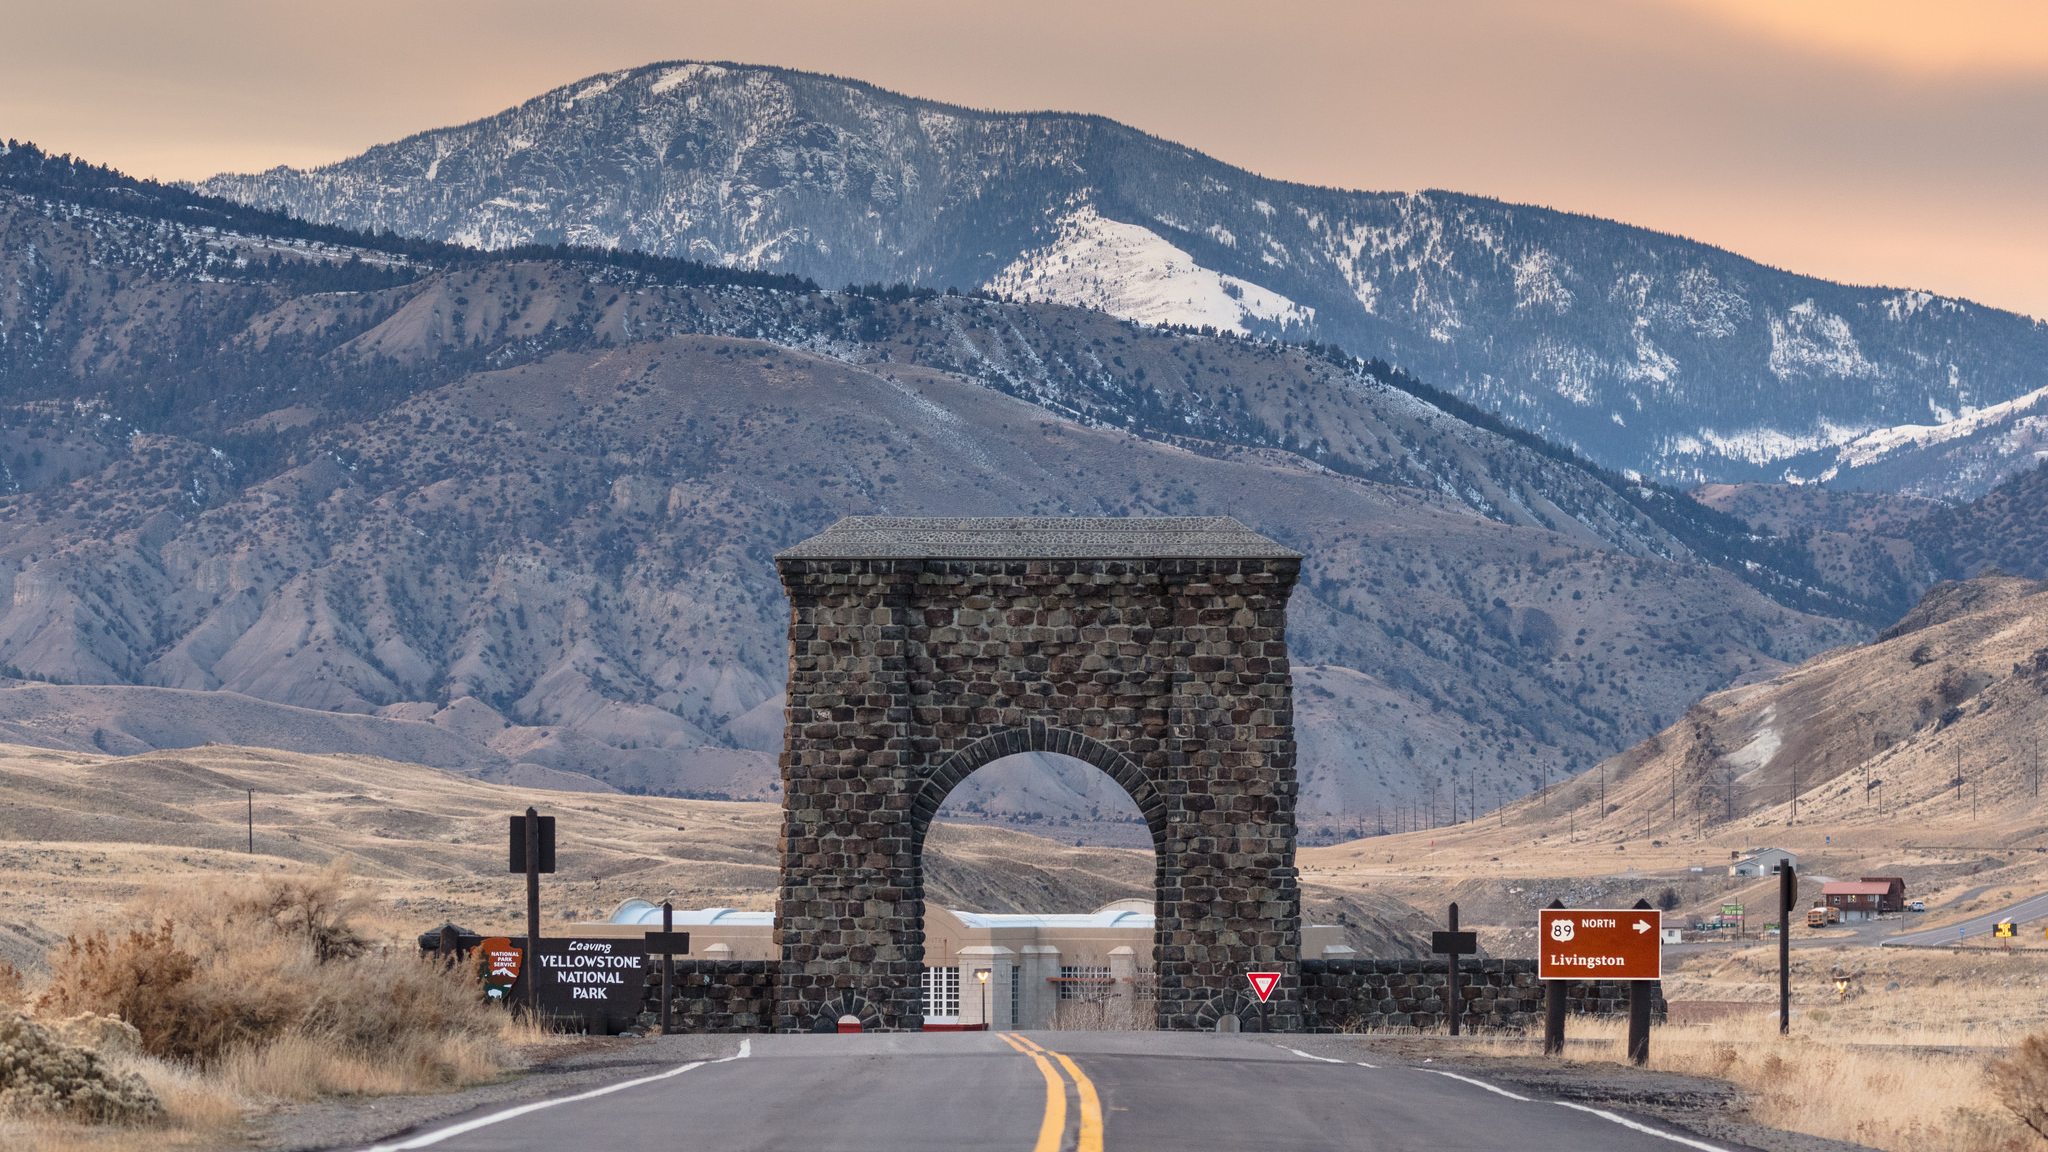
x=1644, y=351
x=535, y=498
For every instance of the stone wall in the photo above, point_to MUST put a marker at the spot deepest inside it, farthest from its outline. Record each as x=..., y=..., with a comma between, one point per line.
x=1383, y=995
x=715, y=996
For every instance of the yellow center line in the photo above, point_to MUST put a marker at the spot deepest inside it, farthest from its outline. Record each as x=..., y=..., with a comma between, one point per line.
x=1054, y=1127
x=1091, y=1103
x=1091, y=1107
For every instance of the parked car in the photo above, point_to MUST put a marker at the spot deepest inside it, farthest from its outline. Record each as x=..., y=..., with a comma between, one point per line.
x=1917, y=906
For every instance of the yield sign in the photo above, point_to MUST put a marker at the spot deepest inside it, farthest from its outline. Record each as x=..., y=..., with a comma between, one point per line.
x=1263, y=983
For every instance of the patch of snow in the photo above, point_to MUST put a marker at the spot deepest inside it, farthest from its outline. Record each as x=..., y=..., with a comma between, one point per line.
x=1761, y=445
x=1539, y=283
x=1807, y=340
x=677, y=77
x=1707, y=308
x=1130, y=271
x=1873, y=445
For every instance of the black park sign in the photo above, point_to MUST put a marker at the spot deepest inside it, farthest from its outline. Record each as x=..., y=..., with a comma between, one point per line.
x=601, y=981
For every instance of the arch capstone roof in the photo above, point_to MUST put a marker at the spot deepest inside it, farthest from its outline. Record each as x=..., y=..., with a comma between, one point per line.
x=1038, y=538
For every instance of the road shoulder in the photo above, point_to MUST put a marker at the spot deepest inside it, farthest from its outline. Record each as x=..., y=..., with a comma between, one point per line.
x=1712, y=1110
x=557, y=1070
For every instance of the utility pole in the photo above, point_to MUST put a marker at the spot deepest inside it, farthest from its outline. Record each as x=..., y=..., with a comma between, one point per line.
x=1795, y=794
x=252, y=821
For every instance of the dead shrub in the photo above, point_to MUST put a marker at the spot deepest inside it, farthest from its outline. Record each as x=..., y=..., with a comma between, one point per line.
x=39, y=1075
x=2020, y=1081
x=240, y=967
x=141, y=976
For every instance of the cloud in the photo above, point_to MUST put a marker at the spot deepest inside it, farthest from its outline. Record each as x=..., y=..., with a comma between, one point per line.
x=1915, y=36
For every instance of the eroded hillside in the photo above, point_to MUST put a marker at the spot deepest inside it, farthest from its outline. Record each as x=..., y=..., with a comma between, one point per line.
x=532, y=504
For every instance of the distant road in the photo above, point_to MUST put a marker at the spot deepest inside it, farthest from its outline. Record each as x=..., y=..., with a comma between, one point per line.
x=2032, y=908
x=1051, y=1092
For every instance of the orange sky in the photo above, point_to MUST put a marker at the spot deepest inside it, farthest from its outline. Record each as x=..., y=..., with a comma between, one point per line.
x=1875, y=141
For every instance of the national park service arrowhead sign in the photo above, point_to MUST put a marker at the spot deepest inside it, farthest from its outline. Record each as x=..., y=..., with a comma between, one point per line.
x=1599, y=944
x=499, y=962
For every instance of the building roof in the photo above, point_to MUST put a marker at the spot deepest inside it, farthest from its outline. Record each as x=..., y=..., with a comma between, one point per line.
x=1038, y=538
x=1855, y=888
x=637, y=911
x=1118, y=914
x=1747, y=856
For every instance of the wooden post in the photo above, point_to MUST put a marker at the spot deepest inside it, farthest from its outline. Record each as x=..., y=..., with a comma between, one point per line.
x=668, y=965
x=1639, y=1006
x=1451, y=973
x=531, y=964
x=1553, y=1010
x=1451, y=945
x=1788, y=895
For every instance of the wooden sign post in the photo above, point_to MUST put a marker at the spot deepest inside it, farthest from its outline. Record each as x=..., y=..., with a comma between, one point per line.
x=668, y=944
x=533, y=852
x=1788, y=895
x=1639, y=999
x=1553, y=1006
x=1453, y=944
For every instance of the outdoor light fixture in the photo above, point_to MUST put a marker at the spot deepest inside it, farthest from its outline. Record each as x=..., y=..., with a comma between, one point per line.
x=981, y=977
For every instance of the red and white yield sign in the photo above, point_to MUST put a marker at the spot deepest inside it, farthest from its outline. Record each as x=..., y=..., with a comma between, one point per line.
x=1599, y=944
x=1263, y=983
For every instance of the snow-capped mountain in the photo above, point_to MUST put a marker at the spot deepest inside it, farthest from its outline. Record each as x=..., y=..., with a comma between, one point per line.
x=1644, y=350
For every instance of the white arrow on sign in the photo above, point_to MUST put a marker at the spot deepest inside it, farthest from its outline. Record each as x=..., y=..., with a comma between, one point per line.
x=1642, y=925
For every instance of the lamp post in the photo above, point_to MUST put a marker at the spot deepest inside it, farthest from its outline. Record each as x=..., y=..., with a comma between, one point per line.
x=981, y=977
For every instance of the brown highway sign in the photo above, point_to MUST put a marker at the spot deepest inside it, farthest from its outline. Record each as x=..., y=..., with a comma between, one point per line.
x=1599, y=944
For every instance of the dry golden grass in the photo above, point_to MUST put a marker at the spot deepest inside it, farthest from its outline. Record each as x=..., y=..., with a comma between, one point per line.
x=243, y=994
x=1834, y=1082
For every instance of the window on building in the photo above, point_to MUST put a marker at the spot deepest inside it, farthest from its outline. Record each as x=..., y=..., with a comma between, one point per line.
x=1016, y=992
x=941, y=992
x=1081, y=982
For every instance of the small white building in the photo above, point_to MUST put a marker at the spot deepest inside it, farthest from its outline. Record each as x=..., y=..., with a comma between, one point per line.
x=1036, y=965
x=1765, y=862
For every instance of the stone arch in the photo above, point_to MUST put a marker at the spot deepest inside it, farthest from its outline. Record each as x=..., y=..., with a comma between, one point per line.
x=919, y=650
x=1038, y=736
x=826, y=1016
x=1228, y=1003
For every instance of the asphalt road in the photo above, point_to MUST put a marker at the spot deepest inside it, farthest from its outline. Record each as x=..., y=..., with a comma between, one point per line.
x=2032, y=908
x=1047, y=1092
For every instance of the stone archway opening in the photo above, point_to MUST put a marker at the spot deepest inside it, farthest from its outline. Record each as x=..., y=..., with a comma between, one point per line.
x=1032, y=921
x=922, y=650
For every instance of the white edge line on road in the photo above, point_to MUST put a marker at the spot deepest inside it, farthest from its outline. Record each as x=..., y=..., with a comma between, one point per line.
x=1488, y=1087
x=1308, y=1056
x=746, y=1048
x=1628, y=1123
x=1363, y=1064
